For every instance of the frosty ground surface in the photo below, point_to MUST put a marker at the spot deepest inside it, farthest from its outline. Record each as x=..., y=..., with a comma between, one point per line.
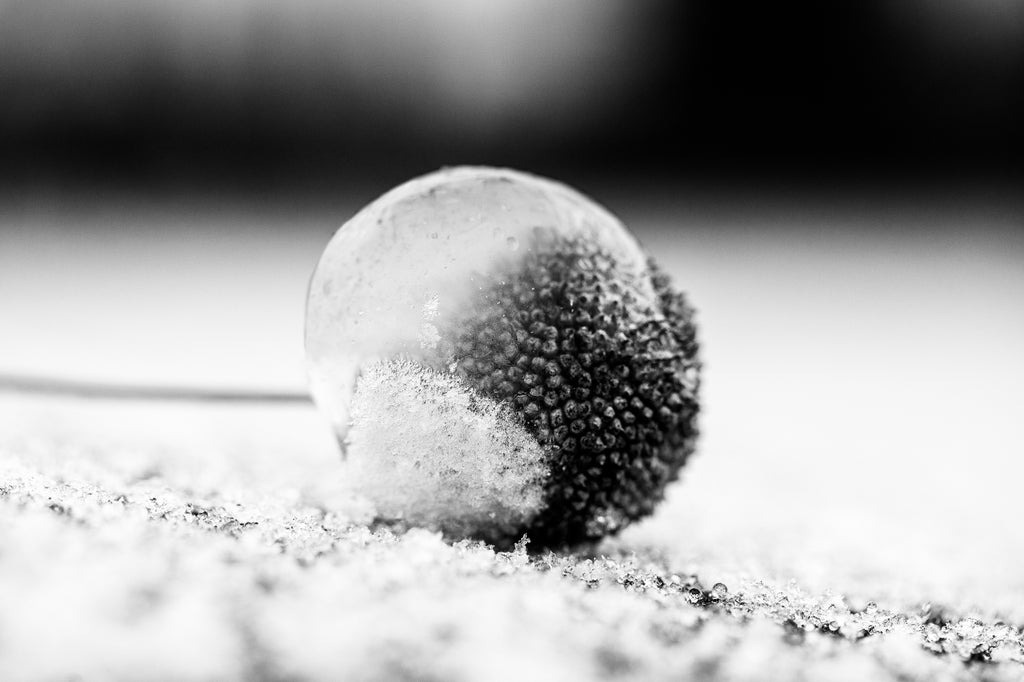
x=861, y=445
x=207, y=542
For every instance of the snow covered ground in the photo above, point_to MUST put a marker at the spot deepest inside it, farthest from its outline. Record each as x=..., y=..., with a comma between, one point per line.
x=856, y=491
x=215, y=542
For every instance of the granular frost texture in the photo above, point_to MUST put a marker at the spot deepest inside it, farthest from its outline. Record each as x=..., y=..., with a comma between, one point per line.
x=211, y=554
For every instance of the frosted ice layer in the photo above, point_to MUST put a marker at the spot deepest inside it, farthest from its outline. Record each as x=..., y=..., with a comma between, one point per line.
x=428, y=450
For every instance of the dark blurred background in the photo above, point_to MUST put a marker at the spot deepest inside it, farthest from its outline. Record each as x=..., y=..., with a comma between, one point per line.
x=306, y=92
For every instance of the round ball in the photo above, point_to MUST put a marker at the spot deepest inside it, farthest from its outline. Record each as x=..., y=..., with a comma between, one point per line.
x=499, y=357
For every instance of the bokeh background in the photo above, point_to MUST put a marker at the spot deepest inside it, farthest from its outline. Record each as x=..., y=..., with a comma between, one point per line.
x=246, y=90
x=836, y=185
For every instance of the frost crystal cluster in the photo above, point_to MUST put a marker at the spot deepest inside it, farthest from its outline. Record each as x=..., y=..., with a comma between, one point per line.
x=499, y=356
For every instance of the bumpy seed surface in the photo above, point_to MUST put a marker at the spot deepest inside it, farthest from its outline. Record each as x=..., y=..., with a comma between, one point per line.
x=608, y=384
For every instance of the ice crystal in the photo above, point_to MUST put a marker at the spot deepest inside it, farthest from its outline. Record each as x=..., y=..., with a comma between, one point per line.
x=423, y=448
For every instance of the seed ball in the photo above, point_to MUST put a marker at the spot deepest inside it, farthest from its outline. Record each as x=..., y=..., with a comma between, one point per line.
x=498, y=357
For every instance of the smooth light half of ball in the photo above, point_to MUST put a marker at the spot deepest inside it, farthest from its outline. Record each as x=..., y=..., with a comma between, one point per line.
x=499, y=357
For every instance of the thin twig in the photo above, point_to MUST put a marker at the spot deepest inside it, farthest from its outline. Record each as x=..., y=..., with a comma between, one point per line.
x=17, y=383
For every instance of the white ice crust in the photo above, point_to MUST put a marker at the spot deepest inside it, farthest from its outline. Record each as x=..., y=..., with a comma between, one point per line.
x=424, y=448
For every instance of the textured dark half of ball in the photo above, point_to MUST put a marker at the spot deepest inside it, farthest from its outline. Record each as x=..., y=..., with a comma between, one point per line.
x=608, y=384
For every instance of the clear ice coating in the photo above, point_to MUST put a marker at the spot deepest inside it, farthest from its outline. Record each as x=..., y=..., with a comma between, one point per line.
x=389, y=285
x=406, y=264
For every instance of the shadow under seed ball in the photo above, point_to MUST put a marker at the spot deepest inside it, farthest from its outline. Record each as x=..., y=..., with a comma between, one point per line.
x=499, y=357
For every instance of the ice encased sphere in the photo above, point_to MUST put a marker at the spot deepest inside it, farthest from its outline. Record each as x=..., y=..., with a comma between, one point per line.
x=474, y=337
